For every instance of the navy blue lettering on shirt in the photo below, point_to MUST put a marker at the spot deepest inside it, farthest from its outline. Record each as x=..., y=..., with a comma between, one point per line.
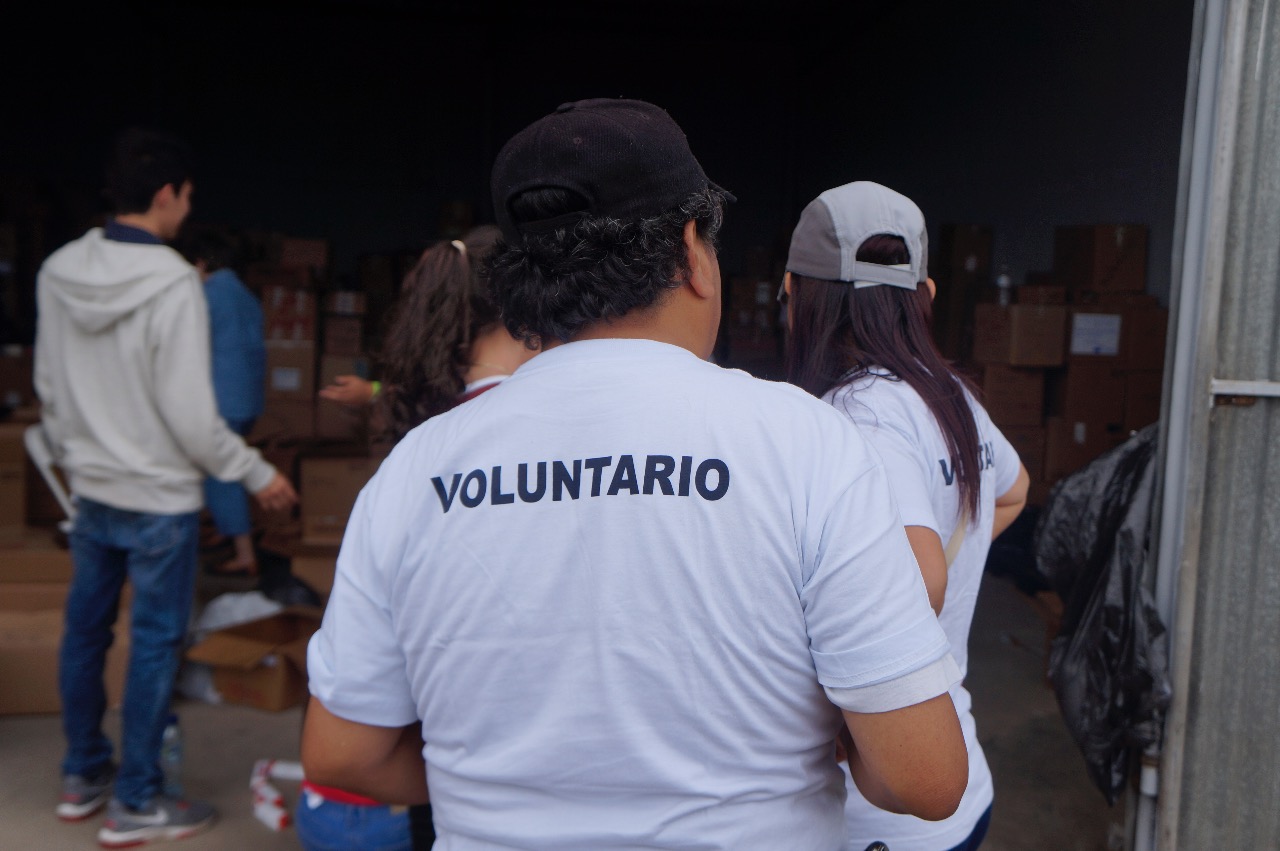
x=986, y=461
x=709, y=479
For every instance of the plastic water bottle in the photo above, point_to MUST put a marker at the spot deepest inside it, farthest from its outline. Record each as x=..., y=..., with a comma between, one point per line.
x=1004, y=283
x=171, y=757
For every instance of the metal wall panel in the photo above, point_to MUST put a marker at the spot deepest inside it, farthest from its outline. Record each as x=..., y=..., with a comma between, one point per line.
x=1227, y=792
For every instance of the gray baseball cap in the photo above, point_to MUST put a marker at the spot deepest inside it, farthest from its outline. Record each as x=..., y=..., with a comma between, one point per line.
x=833, y=227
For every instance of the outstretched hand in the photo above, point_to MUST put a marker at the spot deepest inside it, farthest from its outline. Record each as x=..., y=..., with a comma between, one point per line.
x=348, y=390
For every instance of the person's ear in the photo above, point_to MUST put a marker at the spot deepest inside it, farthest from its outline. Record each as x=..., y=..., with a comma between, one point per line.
x=703, y=268
x=164, y=197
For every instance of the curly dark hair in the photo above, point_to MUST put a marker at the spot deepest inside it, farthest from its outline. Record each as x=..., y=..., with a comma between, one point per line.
x=550, y=285
x=444, y=304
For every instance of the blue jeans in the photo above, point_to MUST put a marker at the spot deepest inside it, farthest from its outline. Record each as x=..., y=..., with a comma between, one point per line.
x=975, y=838
x=227, y=501
x=158, y=554
x=332, y=826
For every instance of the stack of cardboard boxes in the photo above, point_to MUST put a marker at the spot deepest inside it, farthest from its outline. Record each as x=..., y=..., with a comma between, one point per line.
x=1111, y=384
x=35, y=577
x=1075, y=366
x=313, y=336
x=752, y=322
x=343, y=355
x=286, y=283
x=1016, y=347
x=962, y=266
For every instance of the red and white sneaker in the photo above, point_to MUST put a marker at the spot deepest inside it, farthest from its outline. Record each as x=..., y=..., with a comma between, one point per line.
x=84, y=796
x=162, y=818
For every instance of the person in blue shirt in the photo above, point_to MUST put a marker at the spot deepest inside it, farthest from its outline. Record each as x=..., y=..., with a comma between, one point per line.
x=239, y=377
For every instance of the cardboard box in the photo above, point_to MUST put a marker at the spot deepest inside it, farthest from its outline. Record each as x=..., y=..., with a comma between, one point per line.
x=34, y=596
x=753, y=305
x=343, y=335
x=1096, y=334
x=1041, y=294
x=43, y=508
x=1130, y=338
x=13, y=483
x=1142, y=395
x=1088, y=391
x=1143, y=341
x=329, y=487
x=962, y=267
x=261, y=277
x=965, y=249
x=1020, y=334
x=1013, y=396
x=261, y=663
x=1111, y=301
x=345, y=303
x=1102, y=257
x=1072, y=444
x=284, y=420
x=1029, y=441
x=378, y=276
x=316, y=570
x=311, y=254
x=341, y=423
x=331, y=366
x=334, y=420
x=1042, y=278
x=29, y=642
x=289, y=314
x=291, y=370
x=37, y=558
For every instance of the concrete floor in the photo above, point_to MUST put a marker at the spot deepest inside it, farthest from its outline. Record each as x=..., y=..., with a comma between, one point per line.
x=1044, y=801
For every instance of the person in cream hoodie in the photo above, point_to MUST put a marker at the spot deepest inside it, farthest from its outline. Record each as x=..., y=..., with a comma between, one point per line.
x=124, y=378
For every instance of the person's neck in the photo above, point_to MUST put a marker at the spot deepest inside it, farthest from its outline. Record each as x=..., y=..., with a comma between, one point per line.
x=142, y=221
x=667, y=322
x=495, y=353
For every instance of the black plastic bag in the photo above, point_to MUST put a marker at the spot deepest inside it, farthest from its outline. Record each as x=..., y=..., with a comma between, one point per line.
x=1109, y=662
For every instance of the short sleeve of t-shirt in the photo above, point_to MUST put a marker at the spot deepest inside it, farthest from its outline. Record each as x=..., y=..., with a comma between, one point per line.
x=908, y=473
x=892, y=431
x=354, y=661
x=865, y=604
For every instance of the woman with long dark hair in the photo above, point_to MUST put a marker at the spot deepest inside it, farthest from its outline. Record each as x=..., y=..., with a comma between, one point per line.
x=445, y=344
x=859, y=306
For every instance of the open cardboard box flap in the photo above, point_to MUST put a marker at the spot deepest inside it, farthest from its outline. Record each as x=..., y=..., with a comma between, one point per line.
x=247, y=645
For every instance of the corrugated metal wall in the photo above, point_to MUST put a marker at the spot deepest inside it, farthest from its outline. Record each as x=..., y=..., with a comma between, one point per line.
x=1226, y=733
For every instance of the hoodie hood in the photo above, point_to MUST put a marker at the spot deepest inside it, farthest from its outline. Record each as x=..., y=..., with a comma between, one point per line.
x=99, y=280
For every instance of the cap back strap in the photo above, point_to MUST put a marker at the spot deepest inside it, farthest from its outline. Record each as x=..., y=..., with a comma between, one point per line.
x=874, y=275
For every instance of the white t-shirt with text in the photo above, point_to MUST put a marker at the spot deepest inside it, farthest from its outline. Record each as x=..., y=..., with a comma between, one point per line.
x=904, y=432
x=612, y=588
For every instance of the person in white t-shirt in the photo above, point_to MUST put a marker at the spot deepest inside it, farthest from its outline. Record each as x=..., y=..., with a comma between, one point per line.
x=628, y=593
x=859, y=304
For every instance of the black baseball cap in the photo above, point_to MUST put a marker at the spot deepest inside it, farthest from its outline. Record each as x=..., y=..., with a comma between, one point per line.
x=628, y=158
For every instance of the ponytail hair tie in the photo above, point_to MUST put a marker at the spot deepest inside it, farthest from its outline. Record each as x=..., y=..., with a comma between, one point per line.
x=460, y=245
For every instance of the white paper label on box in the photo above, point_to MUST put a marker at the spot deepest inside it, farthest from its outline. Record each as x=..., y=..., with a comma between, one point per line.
x=286, y=378
x=1095, y=334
